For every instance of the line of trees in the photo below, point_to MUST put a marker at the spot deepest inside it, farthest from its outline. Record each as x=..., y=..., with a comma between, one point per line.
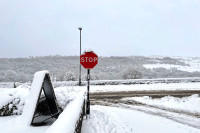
x=66, y=68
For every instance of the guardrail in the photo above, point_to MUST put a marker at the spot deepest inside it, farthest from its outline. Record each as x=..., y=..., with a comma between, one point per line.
x=106, y=82
x=70, y=120
x=127, y=82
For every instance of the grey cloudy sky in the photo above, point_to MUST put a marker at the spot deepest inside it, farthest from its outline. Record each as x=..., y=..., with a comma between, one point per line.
x=110, y=27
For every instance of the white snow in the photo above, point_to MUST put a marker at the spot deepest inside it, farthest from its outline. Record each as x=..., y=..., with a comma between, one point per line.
x=193, y=64
x=69, y=115
x=115, y=120
x=64, y=95
x=104, y=119
x=88, y=49
x=31, y=101
x=111, y=120
x=15, y=96
x=9, y=125
x=187, y=104
x=6, y=84
x=5, y=99
x=71, y=91
x=171, y=66
x=68, y=118
x=140, y=87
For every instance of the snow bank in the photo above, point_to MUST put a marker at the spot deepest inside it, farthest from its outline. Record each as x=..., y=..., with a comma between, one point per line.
x=189, y=104
x=31, y=101
x=67, y=120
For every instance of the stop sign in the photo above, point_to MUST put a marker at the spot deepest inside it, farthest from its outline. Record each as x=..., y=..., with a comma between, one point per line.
x=89, y=60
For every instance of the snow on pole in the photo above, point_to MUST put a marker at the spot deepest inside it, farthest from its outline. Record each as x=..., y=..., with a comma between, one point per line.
x=88, y=49
x=66, y=122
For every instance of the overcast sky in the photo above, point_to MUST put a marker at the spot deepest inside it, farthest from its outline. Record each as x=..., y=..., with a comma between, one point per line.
x=110, y=27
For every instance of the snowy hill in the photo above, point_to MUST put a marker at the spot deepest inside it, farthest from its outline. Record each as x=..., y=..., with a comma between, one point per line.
x=64, y=68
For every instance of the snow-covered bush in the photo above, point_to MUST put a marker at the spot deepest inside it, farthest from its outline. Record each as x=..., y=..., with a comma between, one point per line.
x=69, y=76
x=131, y=73
x=13, y=101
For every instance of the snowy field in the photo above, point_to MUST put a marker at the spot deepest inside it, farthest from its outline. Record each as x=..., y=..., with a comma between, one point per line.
x=171, y=66
x=193, y=65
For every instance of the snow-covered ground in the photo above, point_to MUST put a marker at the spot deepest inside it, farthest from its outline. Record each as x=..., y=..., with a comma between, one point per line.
x=17, y=97
x=105, y=119
x=64, y=124
x=123, y=119
x=136, y=87
x=7, y=125
x=116, y=120
x=189, y=104
x=66, y=94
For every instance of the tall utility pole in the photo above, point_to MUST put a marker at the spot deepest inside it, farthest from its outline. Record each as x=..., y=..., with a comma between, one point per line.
x=80, y=28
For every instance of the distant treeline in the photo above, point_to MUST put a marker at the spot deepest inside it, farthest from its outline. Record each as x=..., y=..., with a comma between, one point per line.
x=65, y=68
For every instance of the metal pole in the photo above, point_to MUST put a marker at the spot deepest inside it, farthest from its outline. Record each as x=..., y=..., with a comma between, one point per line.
x=88, y=90
x=80, y=55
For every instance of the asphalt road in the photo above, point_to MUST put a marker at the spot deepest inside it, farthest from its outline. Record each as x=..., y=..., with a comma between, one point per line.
x=153, y=94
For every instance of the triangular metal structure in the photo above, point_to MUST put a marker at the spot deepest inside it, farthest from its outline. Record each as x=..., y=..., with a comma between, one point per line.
x=46, y=109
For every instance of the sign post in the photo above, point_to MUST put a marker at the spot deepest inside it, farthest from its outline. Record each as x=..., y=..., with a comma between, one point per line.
x=88, y=60
x=88, y=90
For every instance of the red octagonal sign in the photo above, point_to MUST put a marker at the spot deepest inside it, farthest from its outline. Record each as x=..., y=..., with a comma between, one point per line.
x=89, y=60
